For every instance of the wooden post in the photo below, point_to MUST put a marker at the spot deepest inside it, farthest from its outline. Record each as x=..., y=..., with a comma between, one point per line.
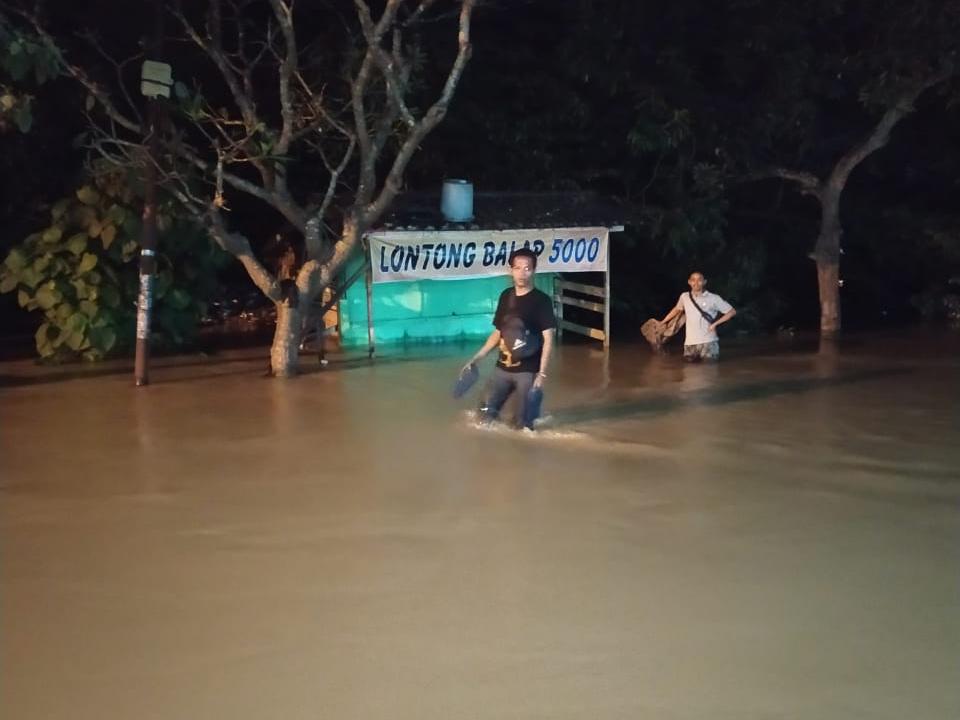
x=606, y=300
x=558, y=302
x=371, y=349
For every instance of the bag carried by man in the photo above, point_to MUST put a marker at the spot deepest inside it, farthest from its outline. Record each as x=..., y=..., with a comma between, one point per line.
x=521, y=341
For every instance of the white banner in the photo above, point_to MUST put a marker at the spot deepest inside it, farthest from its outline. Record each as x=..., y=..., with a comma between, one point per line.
x=450, y=255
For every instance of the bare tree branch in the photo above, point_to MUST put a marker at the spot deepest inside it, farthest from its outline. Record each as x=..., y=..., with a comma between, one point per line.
x=81, y=76
x=214, y=51
x=288, y=68
x=118, y=67
x=289, y=209
x=373, y=33
x=428, y=122
x=809, y=183
x=880, y=135
x=312, y=239
x=396, y=87
x=238, y=246
x=418, y=13
x=877, y=138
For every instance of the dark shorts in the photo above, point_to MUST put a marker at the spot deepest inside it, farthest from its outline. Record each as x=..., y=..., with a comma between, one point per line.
x=703, y=351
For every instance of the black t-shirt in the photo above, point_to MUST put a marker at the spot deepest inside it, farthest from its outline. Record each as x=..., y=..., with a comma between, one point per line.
x=536, y=311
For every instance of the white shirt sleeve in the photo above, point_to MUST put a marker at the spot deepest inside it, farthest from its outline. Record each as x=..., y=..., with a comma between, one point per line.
x=722, y=305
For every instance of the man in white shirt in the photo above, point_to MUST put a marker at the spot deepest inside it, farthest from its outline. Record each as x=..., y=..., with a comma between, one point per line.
x=704, y=311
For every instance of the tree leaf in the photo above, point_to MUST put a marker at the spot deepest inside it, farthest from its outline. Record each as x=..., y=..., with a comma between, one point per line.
x=22, y=116
x=15, y=260
x=8, y=281
x=76, y=341
x=77, y=322
x=178, y=298
x=88, y=195
x=77, y=244
x=87, y=263
x=116, y=214
x=161, y=284
x=102, y=339
x=107, y=235
x=24, y=298
x=129, y=249
x=64, y=311
x=42, y=262
x=48, y=296
x=52, y=234
x=60, y=207
x=30, y=277
x=83, y=215
x=42, y=338
x=110, y=296
x=89, y=308
x=81, y=288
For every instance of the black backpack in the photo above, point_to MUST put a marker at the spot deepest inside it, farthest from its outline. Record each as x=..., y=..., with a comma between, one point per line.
x=518, y=339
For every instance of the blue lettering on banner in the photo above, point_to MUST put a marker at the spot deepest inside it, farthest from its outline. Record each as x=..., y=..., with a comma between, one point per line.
x=555, y=250
x=580, y=250
x=501, y=258
x=439, y=256
x=453, y=259
x=396, y=258
x=413, y=255
x=488, y=250
x=593, y=249
x=427, y=251
x=429, y=257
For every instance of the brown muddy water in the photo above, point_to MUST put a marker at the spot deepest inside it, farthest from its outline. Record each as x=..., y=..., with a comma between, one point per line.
x=775, y=536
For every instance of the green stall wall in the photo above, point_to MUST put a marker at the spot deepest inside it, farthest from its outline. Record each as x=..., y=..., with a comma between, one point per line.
x=426, y=310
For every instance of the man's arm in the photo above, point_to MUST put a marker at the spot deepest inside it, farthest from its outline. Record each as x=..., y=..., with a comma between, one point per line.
x=548, y=338
x=489, y=345
x=723, y=318
x=677, y=309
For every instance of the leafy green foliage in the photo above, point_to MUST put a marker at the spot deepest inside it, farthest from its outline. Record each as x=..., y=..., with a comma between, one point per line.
x=81, y=274
x=24, y=60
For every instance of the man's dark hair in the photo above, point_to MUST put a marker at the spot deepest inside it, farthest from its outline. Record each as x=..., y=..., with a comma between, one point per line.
x=524, y=252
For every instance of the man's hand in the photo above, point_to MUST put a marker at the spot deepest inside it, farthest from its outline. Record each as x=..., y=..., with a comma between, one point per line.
x=712, y=328
x=539, y=380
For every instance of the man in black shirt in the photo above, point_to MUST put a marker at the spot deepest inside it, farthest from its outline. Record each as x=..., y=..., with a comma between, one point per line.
x=525, y=327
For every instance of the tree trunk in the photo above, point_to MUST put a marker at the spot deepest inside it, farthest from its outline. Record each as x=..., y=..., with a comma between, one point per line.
x=827, y=256
x=285, y=352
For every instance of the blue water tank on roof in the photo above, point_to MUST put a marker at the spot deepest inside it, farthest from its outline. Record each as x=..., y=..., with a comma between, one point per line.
x=456, y=201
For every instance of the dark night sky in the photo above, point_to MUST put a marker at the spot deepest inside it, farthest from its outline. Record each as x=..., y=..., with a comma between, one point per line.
x=553, y=92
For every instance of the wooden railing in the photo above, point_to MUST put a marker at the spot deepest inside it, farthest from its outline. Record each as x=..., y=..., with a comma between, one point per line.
x=595, y=298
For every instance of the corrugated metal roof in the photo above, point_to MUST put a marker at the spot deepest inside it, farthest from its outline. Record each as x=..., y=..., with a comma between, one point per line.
x=506, y=211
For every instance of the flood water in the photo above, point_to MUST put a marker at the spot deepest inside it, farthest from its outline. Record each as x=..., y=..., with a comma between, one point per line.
x=775, y=536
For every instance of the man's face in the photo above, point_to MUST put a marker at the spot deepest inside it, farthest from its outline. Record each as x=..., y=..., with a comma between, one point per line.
x=522, y=272
x=697, y=282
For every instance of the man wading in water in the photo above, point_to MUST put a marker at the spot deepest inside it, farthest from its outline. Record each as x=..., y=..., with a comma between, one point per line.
x=525, y=327
x=704, y=311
